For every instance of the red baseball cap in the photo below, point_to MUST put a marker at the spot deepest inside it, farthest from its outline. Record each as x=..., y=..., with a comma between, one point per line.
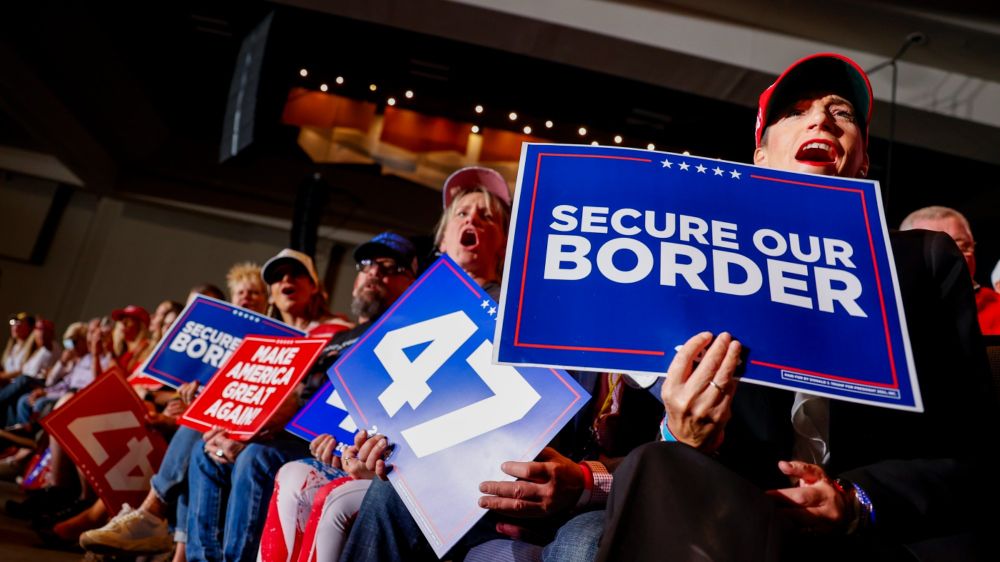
x=829, y=72
x=471, y=178
x=137, y=312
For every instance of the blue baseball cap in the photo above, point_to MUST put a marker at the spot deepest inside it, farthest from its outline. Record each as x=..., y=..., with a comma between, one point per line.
x=388, y=245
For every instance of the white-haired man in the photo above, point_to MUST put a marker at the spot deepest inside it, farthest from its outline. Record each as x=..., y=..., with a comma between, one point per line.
x=954, y=224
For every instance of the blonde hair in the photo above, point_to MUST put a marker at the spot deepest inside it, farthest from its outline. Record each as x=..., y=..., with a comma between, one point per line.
x=244, y=272
x=496, y=207
x=75, y=330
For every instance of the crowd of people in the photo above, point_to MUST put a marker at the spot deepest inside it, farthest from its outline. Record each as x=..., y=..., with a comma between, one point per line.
x=708, y=470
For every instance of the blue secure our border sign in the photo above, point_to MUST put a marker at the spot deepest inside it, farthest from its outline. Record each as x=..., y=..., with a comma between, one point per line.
x=204, y=336
x=617, y=256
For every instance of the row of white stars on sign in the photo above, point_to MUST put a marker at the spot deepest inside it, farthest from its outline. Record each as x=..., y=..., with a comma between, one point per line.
x=684, y=166
x=246, y=315
x=486, y=304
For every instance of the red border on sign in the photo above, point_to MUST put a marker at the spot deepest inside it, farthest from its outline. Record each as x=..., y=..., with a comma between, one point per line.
x=201, y=423
x=871, y=245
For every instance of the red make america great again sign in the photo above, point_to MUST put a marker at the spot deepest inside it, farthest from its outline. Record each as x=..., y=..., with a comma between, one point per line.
x=250, y=387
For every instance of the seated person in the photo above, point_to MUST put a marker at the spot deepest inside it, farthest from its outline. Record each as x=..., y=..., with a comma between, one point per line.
x=908, y=482
x=34, y=371
x=145, y=529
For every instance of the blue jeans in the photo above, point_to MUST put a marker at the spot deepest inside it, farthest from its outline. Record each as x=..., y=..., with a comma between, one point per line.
x=9, y=395
x=385, y=531
x=578, y=539
x=170, y=481
x=225, y=526
x=24, y=409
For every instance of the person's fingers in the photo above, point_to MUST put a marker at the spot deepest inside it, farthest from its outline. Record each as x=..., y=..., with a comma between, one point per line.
x=326, y=451
x=511, y=507
x=724, y=374
x=317, y=442
x=709, y=366
x=360, y=438
x=515, y=532
x=531, y=471
x=683, y=361
x=365, y=448
x=518, y=489
x=369, y=446
x=211, y=434
x=382, y=469
x=375, y=454
x=798, y=470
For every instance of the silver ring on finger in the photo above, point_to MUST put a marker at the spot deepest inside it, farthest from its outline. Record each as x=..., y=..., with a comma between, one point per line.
x=219, y=453
x=717, y=386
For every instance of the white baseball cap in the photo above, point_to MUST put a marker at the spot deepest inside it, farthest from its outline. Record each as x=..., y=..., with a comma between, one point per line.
x=288, y=255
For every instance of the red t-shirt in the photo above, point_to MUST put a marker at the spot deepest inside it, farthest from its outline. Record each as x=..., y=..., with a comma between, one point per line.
x=988, y=307
x=331, y=327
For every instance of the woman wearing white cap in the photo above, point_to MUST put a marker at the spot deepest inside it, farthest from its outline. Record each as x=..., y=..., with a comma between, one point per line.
x=230, y=482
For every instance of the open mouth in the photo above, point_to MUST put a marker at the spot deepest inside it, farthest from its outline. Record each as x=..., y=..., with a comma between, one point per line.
x=469, y=238
x=288, y=290
x=817, y=152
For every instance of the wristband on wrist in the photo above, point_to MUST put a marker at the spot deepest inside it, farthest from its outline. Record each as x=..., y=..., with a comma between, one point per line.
x=665, y=431
x=588, y=486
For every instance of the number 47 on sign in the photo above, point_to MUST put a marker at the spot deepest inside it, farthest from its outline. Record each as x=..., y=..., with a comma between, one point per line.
x=423, y=375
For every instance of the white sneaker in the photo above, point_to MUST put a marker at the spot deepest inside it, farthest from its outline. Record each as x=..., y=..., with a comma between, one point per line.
x=131, y=531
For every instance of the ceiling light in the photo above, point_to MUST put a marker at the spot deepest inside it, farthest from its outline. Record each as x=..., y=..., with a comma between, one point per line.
x=479, y=109
x=512, y=116
x=650, y=146
x=323, y=87
x=593, y=143
x=339, y=80
x=391, y=101
x=475, y=128
x=548, y=124
x=409, y=94
x=582, y=131
x=303, y=73
x=372, y=87
x=618, y=139
x=527, y=130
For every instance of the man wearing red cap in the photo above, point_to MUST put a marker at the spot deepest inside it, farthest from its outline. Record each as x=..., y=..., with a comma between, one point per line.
x=749, y=474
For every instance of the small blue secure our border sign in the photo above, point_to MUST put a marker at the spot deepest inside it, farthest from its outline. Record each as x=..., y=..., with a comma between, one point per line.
x=617, y=256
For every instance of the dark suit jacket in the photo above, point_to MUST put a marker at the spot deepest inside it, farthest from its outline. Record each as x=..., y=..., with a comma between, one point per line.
x=918, y=468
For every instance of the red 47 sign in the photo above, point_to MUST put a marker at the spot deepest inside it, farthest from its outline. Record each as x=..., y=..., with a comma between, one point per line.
x=103, y=430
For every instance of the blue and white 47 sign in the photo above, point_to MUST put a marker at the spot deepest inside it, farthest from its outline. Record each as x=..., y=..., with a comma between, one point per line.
x=325, y=413
x=423, y=376
x=616, y=256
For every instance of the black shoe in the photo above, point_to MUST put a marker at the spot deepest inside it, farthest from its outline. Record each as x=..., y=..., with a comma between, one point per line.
x=46, y=499
x=48, y=518
x=52, y=541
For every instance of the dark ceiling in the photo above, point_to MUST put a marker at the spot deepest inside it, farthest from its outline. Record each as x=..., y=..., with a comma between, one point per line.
x=131, y=97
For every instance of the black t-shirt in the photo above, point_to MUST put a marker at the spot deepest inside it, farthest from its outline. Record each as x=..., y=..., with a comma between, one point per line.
x=316, y=377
